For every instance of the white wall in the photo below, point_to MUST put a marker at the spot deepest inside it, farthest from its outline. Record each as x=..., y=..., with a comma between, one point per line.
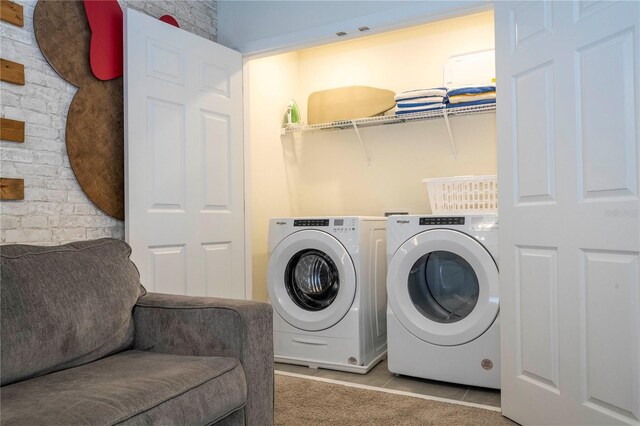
x=272, y=82
x=55, y=210
x=327, y=173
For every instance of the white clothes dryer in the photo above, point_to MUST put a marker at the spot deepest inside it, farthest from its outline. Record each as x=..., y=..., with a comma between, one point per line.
x=326, y=283
x=443, y=312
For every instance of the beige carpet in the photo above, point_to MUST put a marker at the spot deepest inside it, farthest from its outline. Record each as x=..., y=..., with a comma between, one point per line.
x=308, y=402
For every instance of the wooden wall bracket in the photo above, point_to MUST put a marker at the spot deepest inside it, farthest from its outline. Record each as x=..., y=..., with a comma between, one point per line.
x=12, y=13
x=11, y=130
x=11, y=189
x=11, y=72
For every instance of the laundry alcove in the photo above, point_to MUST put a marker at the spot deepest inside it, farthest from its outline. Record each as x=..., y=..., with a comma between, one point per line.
x=328, y=172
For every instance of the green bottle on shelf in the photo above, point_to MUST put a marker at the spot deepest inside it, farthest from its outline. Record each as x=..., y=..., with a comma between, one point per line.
x=292, y=116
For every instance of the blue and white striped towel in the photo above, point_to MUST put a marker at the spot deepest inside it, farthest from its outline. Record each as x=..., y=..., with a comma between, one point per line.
x=472, y=103
x=424, y=101
x=470, y=90
x=433, y=107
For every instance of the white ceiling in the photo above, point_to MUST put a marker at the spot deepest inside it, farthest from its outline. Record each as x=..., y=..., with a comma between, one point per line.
x=264, y=26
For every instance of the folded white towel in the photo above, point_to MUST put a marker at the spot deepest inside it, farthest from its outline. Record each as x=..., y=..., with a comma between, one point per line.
x=421, y=93
x=469, y=98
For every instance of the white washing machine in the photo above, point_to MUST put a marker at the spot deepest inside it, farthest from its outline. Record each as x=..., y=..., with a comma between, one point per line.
x=326, y=282
x=442, y=285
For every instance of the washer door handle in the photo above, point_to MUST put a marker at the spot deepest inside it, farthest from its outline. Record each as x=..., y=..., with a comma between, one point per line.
x=310, y=342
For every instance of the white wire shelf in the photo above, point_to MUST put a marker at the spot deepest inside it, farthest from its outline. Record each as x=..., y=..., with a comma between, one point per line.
x=391, y=119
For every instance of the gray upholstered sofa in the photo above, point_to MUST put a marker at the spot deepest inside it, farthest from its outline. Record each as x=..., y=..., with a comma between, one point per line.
x=83, y=344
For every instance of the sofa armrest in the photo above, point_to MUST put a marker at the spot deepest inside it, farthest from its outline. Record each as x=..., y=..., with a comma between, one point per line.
x=206, y=326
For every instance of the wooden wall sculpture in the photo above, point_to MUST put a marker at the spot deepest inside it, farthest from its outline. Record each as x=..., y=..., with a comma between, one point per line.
x=95, y=122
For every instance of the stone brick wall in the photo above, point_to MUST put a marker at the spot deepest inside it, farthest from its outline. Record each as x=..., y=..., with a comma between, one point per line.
x=55, y=210
x=196, y=16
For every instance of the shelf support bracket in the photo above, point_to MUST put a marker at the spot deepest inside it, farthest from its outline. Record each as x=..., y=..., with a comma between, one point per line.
x=451, y=140
x=364, y=146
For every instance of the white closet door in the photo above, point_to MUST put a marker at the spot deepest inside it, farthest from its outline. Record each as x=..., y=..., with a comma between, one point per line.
x=184, y=160
x=568, y=146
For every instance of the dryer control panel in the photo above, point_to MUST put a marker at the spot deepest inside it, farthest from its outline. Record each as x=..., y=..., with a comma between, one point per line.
x=448, y=220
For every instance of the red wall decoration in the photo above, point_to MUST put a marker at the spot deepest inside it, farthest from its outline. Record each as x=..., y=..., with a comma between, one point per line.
x=170, y=20
x=105, y=21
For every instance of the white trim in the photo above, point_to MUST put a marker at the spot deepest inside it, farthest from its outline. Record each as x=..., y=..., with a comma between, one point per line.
x=248, y=229
x=391, y=391
x=358, y=369
x=125, y=92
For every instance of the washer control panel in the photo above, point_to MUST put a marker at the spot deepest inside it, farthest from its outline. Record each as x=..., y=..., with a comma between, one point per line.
x=343, y=225
x=448, y=220
x=343, y=228
x=311, y=222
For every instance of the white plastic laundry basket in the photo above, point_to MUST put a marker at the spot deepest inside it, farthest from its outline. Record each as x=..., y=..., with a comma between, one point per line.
x=463, y=194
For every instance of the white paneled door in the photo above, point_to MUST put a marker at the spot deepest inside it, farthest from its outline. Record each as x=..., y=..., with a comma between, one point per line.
x=184, y=160
x=568, y=147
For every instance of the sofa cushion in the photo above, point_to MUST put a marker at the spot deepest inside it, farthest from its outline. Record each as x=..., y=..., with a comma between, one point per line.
x=131, y=387
x=64, y=306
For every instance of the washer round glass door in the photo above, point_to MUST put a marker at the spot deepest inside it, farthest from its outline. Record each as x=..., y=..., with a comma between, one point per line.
x=443, y=287
x=311, y=280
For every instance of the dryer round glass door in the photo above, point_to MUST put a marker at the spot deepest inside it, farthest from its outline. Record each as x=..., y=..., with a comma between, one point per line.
x=311, y=280
x=443, y=287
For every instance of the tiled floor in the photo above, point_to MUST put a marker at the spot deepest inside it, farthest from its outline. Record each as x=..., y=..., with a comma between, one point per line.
x=379, y=376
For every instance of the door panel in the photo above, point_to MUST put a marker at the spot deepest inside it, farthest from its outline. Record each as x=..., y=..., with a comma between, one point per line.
x=218, y=257
x=529, y=22
x=165, y=62
x=166, y=143
x=534, y=135
x=215, y=173
x=184, y=160
x=609, y=282
x=607, y=169
x=537, y=318
x=568, y=150
x=168, y=268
